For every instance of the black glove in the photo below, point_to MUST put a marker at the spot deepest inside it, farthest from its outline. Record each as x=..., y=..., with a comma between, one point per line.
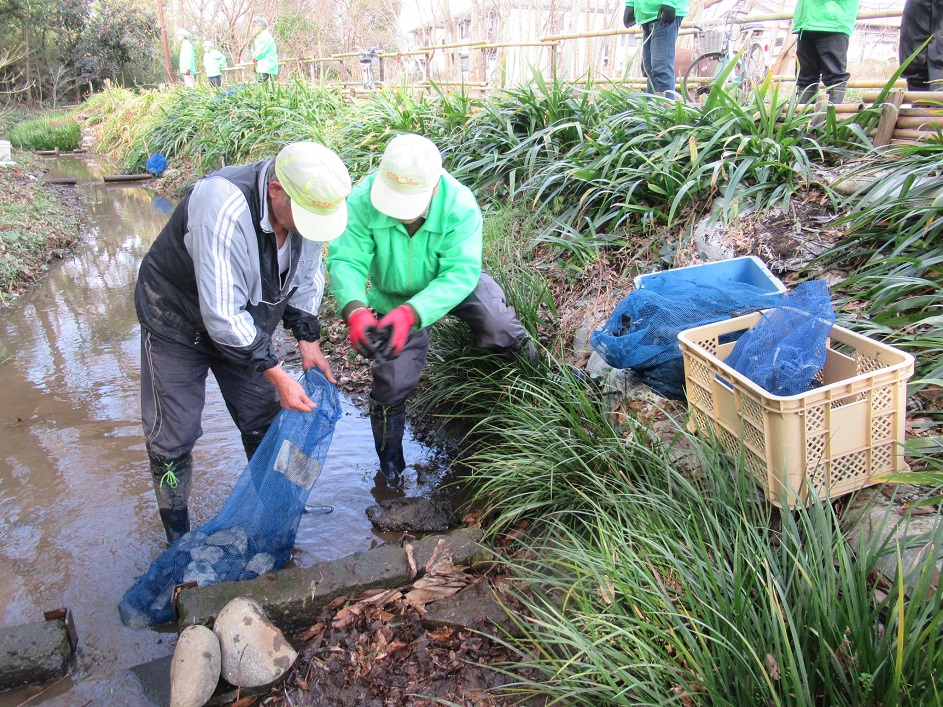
x=628, y=17
x=667, y=14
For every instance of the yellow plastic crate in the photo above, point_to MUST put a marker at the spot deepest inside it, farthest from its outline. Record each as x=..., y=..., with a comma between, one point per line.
x=834, y=438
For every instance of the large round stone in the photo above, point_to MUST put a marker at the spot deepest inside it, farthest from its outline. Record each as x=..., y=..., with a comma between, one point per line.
x=195, y=668
x=254, y=650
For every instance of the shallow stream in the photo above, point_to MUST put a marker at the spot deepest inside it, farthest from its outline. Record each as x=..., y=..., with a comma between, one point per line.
x=78, y=517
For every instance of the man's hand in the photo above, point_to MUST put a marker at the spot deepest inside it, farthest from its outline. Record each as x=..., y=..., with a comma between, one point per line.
x=667, y=14
x=628, y=16
x=401, y=320
x=311, y=355
x=357, y=322
x=290, y=392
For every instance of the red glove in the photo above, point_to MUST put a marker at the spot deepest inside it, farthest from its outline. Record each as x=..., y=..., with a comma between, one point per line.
x=357, y=322
x=401, y=320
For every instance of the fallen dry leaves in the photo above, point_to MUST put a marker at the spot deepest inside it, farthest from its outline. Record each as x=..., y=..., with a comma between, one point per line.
x=373, y=650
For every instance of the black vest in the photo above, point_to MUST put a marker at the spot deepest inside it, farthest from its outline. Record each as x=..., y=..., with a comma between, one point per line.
x=166, y=297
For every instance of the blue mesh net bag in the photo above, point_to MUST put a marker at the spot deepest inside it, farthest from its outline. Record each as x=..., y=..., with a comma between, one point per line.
x=642, y=331
x=255, y=530
x=784, y=351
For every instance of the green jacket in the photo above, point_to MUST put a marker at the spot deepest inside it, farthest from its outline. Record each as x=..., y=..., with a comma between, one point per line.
x=187, y=58
x=825, y=16
x=647, y=10
x=265, y=53
x=434, y=270
x=213, y=62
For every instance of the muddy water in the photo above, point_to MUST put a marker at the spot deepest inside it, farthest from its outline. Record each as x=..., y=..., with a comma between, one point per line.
x=78, y=518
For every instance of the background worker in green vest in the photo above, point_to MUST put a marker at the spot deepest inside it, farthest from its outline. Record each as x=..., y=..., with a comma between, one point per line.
x=264, y=52
x=660, y=21
x=414, y=232
x=213, y=62
x=822, y=50
x=187, y=63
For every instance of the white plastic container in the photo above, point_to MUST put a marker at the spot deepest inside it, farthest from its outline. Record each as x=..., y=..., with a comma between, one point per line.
x=5, y=155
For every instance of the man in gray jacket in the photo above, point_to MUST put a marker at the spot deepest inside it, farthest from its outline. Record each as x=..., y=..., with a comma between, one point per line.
x=241, y=252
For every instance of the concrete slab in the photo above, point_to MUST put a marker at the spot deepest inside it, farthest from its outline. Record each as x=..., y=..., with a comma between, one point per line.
x=293, y=598
x=34, y=653
x=875, y=518
x=475, y=608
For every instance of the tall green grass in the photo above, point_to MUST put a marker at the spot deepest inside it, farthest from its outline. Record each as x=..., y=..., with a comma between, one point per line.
x=648, y=580
x=54, y=131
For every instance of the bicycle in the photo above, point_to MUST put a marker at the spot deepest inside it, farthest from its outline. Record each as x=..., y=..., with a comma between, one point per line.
x=735, y=42
x=367, y=57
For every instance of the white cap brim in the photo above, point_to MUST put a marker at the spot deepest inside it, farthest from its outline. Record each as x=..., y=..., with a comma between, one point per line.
x=404, y=207
x=319, y=227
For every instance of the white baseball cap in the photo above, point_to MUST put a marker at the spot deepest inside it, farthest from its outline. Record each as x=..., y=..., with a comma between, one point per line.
x=409, y=173
x=317, y=181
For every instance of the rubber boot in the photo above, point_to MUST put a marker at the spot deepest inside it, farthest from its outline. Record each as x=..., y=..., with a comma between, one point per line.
x=389, y=423
x=836, y=94
x=251, y=442
x=526, y=350
x=172, y=486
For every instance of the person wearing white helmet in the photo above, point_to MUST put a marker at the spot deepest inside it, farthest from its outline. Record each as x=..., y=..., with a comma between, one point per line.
x=241, y=253
x=414, y=233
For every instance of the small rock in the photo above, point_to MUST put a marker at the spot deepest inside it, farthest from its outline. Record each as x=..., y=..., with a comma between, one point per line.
x=235, y=537
x=261, y=563
x=208, y=553
x=254, y=650
x=201, y=572
x=418, y=515
x=195, y=668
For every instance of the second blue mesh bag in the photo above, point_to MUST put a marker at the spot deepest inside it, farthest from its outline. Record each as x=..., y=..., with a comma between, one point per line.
x=642, y=331
x=255, y=530
x=784, y=351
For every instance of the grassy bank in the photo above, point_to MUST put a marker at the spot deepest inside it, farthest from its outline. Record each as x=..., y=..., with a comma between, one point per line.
x=650, y=570
x=38, y=226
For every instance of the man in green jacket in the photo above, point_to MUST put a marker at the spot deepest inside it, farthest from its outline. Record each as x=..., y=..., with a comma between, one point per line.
x=213, y=62
x=660, y=21
x=264, y=52
x=822, y=50
x=414, y=232
x=187, y=64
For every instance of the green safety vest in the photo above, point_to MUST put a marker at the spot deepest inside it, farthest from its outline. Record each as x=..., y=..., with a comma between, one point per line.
x=187, y=58
x=265, y=53
x=213, y=62
x=827, y=16
x=647, y=10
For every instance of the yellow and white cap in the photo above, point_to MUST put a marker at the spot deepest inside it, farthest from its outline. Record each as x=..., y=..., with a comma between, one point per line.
x=409, y=172
x=317, y=181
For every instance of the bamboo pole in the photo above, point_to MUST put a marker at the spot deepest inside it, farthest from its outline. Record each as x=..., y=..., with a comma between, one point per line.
x=920, y=123
x=920, y=112
x=910, y=97
x=911, y=134
x=453, y=45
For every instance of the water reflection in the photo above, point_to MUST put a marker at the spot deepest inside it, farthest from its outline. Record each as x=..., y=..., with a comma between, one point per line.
x=78, y=518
